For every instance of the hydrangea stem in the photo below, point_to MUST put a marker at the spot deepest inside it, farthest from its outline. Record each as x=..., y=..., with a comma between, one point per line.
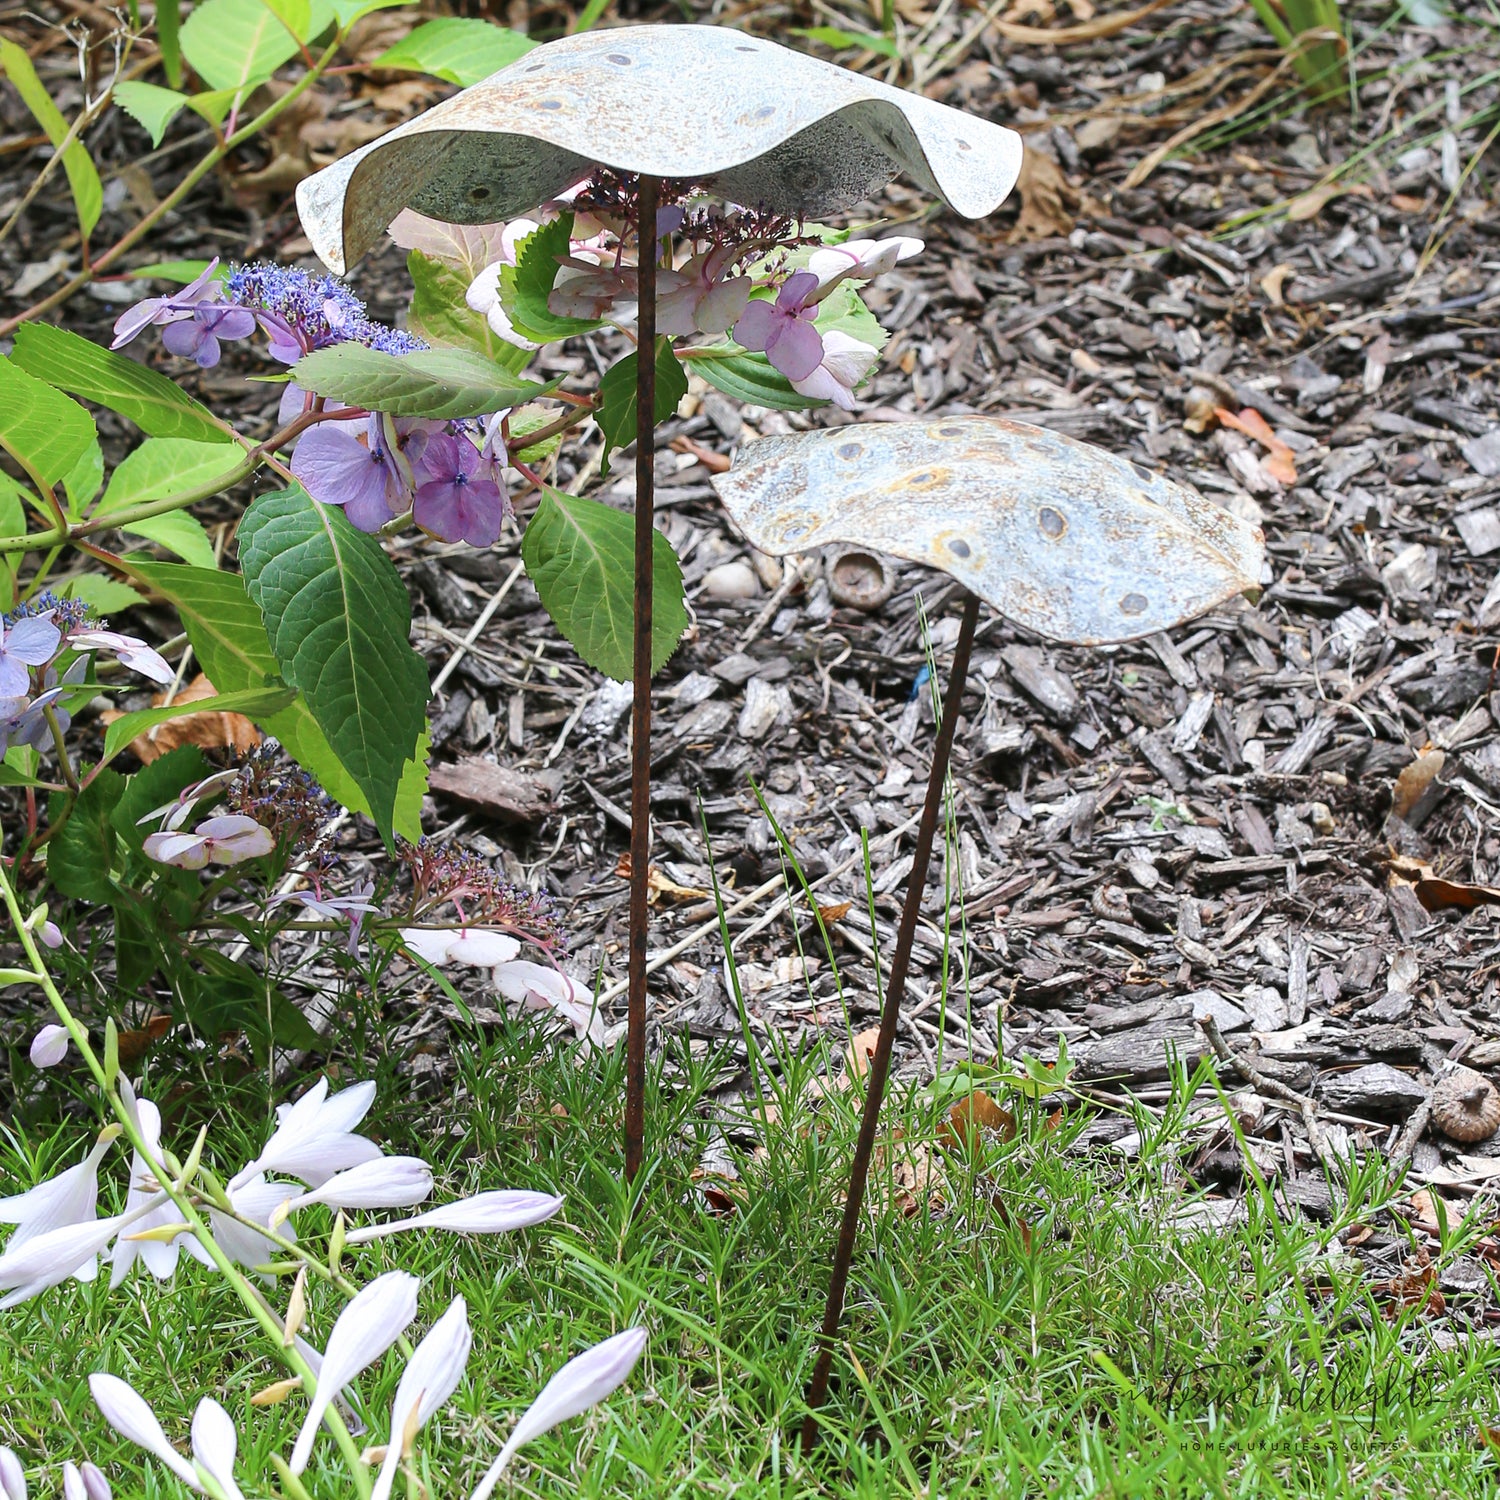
x=640, y=709
x=890, y=1015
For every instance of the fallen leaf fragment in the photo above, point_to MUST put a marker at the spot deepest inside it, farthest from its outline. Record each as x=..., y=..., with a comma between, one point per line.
x=135, y=1044
x=1416, y=776
x=970, y=1117
x=1047, y=200
x=859, y=1052
x=1437, y=894
x=661, y=884
x=211, y=731
x=1273, y=281
x=1280, y=462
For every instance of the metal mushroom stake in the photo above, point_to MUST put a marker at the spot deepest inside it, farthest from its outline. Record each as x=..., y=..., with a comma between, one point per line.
x=1064, y=538
x=731, y=114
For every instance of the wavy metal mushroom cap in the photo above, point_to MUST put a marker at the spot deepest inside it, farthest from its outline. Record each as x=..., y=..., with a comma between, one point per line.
x=758, y=123
x=1064, y=538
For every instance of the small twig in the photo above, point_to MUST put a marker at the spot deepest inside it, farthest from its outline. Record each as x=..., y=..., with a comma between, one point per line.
x=1411, y=1132
x=475, y=631
x=1269, y=1086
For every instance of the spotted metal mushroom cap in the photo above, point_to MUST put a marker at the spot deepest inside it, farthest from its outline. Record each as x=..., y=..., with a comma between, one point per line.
x=1466, y=1105
x=758, y=123
x=1071, y=541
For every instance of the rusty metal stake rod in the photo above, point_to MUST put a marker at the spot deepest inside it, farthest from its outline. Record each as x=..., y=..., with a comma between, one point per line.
x=890, y=1015
x=640, y=707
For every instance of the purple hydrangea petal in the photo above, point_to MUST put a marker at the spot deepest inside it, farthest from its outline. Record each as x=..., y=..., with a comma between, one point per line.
x=468, y=511
x=756, y=325
x=33, y=640
x=795, y=347
x=337, y=469
x=191, y=340
x=135, y=320
x=795, y=291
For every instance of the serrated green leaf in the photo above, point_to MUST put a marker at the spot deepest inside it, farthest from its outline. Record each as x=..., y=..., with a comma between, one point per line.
x=233, y=43
x=339, y=621
x=525, y=419
x=295, y=15
x=457, y=49
x=349, y=11
x=837, y=38
x=525, y=286
x=432, y=383
x=104, y=595
x=580, y=555
x=616, y=411
x=12, y=523
x=82, y=481
x=160, y=466
x=150, y=106
x=155, y=404
x=79, y=858
x=254, y=703
x=179, y=533
x=169, y=39
x=747, y=377
x=179, y=271
x=230, y=642
x=39, y=425
x=83, y=177
x=440, y=315
x=214, y=104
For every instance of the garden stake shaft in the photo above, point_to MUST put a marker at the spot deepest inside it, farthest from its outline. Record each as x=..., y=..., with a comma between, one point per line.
x=640, y=707
x=895, y=991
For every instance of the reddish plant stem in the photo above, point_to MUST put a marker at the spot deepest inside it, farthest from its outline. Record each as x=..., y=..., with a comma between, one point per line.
x=890, y=1015
x=640, y=709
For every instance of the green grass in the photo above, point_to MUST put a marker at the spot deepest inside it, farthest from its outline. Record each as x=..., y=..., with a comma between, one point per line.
x=1098, y=1350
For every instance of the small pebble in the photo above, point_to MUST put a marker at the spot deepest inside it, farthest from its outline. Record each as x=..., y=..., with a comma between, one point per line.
x=731, y=580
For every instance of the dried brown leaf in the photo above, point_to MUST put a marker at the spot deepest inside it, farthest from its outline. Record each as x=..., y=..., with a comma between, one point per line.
x=1416, y=776
x=1046, y=200
x=211, y=731
x=970, y=1117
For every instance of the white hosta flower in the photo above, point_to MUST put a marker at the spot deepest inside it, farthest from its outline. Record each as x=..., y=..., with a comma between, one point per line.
x=126, y=1411
x=51, y=1258
x=460, y=945
x=12, y=1476
x=214, y=1445
x=69, y=1198
x=580, y=1384
x=256, y=1199
x=484, y=1213
x=86, y=1483
x=390, y=1182
x=859, y=259
x=49, y=1046
x=146, y=1174
x=542, y=988
x=374, y=1319
x=315, y=1137
x=431, y=1376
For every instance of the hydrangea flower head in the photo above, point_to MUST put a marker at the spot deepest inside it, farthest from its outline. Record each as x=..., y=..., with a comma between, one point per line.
x=301, y=312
